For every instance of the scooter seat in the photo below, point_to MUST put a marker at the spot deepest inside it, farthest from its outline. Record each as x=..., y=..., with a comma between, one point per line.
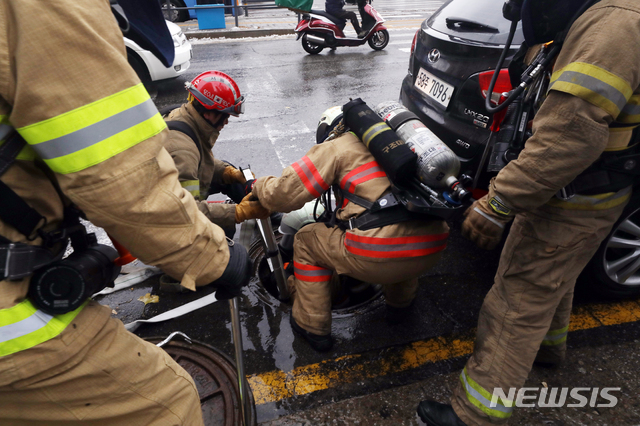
x=339, y=22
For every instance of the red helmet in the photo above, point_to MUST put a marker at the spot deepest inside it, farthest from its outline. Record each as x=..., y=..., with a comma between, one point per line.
x=216, y=90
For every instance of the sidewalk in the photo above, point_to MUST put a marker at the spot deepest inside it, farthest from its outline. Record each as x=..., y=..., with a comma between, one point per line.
x=259, y=23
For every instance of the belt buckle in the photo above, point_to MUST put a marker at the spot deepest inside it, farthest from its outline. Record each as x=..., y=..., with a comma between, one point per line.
x=350, y=222
x=566, y=193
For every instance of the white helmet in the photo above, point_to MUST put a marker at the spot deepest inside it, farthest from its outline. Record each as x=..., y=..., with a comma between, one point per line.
x=329, y=119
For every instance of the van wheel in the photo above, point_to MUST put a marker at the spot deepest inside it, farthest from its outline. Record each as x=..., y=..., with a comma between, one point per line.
x=138, y=66
x=614, y=271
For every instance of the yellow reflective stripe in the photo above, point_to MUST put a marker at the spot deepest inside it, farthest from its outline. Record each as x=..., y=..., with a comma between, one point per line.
x=593, y=84
x=95, y=132
x=482, y=399
x=23, y=326
x=374, y=131
x=193, y=186
x=556, y=337
x=630, y=114
x=593, y=202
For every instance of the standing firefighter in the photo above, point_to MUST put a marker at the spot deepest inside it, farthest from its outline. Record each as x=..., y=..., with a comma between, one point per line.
x=592, y=106
x=195, y=127
x=93, y=139
x=393, y=255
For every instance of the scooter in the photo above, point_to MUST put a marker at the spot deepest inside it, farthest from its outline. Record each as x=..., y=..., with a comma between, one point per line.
x=318, y=30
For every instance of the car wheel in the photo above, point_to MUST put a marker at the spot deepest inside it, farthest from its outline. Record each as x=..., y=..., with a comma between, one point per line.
x=138, y=66
x=614, y=271
x=379, y=40
x=310, y=48
x=174, y=15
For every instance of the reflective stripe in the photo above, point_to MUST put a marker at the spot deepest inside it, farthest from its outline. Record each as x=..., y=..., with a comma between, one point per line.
x=593, y=84
x=556, y=337
x=630, y=114
x=379, y=247
x=193, y=186
x=23, y=326
x=311, y=273
x=95, y=132
x=482, y=399
x=593, y=202
x=361, y=174
x=310, y=177
x=374, y=131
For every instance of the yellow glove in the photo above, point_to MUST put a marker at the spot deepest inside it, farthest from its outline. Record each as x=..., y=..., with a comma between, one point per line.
x=483, y=225
x=232, y=175
x=250, y=208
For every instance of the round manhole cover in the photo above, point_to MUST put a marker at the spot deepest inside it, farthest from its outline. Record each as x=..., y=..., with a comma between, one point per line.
x=215, y=376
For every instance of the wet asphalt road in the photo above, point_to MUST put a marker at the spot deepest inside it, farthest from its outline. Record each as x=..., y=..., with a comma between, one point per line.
x=287, y=90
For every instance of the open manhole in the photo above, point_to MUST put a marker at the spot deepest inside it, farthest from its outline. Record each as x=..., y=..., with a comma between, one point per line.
x=348, y=295
x=215, y=376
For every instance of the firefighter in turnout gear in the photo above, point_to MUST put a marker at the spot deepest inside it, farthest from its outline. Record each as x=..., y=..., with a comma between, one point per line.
x=592, y=106
x=213, y=97
x=393, y=256
x=100, y=147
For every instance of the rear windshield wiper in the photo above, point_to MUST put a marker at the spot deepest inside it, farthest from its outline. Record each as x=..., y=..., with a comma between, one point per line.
x=465, y=24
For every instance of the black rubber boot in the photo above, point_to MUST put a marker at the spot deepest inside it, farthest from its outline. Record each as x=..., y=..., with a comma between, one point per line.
x=436, y=414
x=317, y=342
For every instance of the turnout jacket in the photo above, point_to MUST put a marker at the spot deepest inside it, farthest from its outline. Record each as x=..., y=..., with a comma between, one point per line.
x=197, y=167
x=346, y=162
x=593, y=105
x=93, y=131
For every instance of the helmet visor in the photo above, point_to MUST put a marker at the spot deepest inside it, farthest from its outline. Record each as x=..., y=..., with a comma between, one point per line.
x=236, y=109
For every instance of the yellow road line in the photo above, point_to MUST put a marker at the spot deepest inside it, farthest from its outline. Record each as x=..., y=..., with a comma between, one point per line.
x=277, y=385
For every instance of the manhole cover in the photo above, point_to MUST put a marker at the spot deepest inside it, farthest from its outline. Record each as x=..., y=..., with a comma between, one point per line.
x=216, y=379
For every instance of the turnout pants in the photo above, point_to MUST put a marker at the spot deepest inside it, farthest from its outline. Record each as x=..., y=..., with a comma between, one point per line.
x=319, y=251
x=526, y=313
x=116, y=379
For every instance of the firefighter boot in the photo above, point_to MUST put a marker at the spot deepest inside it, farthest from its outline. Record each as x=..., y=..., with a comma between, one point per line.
x=317, y=342
x=436, y=414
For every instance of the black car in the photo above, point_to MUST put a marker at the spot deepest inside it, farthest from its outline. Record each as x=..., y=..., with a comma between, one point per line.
x=453, y=57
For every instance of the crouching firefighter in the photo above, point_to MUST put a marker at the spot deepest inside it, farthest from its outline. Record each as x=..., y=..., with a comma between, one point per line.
x=563, y=192
x=391, y=247
x=194, y=129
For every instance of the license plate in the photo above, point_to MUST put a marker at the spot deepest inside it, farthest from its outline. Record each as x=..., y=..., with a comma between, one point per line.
x=434, y=88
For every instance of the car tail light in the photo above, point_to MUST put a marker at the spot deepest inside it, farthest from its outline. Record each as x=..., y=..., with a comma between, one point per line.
x=413, y=48
x=503, y=84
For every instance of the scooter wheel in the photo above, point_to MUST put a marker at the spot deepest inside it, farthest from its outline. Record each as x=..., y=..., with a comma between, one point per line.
x=379, y=40
x=310, y=48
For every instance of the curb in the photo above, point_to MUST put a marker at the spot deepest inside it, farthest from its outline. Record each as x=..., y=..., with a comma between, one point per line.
x=239, y=33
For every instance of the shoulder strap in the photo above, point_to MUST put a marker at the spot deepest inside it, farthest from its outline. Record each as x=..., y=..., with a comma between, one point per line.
x=183, y=127
x=13, y=209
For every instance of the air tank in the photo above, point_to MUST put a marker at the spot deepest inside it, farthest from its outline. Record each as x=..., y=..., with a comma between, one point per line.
x=438, y=166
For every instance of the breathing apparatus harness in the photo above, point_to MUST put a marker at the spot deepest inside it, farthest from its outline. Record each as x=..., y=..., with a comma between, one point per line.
x=409, y=198
x=614, y=170
x=57, y=285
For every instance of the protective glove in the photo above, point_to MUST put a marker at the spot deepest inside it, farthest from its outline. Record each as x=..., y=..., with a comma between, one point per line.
x=485, y=221
x=250, y=208
x=232, y=175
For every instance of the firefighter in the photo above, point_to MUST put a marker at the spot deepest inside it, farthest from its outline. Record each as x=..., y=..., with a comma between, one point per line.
x=213, y=98
x=591, y=107
x=393, y=256
x=95, y=139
